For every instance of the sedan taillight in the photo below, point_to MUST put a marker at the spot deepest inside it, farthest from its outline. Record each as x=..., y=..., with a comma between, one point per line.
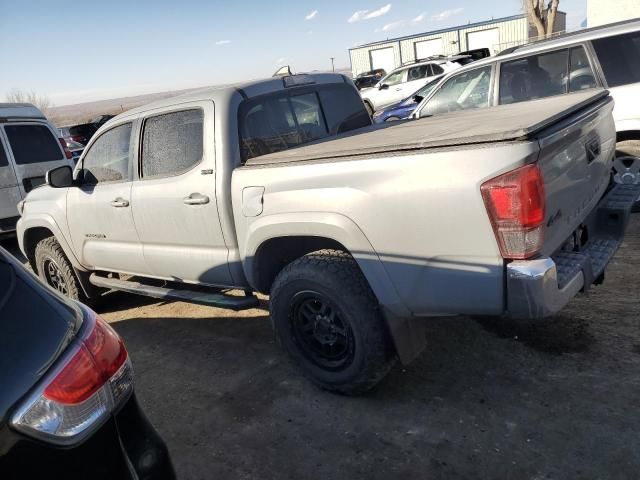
x=67, y=152
x=515, y=202
x=93, y=379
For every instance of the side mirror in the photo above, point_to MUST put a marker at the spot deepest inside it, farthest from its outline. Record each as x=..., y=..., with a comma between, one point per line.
x=61, y=177
x=384, y=86
x=418, y=98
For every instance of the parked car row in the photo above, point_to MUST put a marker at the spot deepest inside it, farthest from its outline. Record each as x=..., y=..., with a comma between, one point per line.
x=82, y=133
x=602, y=57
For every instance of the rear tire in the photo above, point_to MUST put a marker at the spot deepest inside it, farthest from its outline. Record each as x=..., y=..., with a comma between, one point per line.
x=55, y=269
x=328, y=320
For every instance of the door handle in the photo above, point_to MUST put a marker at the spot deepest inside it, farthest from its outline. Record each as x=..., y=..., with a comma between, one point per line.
x=120, y=202
x=196, y=199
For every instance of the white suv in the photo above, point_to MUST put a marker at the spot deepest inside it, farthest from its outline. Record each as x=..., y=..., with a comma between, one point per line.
x=601, y=57
x=403, y=81
x=29, y=146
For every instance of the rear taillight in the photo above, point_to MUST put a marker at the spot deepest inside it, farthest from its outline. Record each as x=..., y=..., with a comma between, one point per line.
x=94, y=379
x=515, y=202
x=67, y=152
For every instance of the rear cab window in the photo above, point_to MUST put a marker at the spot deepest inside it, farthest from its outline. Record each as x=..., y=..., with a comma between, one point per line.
x=33, y=143
x=282, y=120
x=619, y=58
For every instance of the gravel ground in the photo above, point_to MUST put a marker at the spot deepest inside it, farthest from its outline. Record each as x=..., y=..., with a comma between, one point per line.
x=488, y=399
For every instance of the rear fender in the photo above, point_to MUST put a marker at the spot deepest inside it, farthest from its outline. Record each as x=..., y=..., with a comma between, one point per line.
x=404, y=330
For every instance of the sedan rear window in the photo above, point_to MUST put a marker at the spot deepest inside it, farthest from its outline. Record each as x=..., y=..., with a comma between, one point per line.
x=33, y=144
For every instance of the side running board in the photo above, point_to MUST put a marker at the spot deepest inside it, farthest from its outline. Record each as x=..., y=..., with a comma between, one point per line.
x=211, y=299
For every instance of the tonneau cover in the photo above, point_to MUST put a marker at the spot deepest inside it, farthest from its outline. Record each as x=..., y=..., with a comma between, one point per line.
x=518, y=121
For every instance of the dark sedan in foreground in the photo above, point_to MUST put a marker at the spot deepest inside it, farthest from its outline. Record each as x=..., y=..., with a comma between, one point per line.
x=404, y=108
x=67, y=405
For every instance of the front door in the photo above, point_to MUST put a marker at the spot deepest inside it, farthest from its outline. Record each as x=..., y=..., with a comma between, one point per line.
x=9, y=191
x=99, y=211
x=174, y=202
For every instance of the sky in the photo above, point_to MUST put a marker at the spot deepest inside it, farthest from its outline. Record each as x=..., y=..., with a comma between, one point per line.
x=78, y=51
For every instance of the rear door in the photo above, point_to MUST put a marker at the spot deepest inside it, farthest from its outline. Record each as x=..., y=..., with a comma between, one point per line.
x=9, y=191
x=34, y=149
x=174, y=199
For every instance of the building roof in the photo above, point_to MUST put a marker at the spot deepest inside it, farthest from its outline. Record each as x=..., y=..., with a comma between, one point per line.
x=449, y=29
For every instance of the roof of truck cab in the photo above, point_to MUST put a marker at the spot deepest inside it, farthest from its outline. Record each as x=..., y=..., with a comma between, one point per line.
x=518, y=121
x=223, y=93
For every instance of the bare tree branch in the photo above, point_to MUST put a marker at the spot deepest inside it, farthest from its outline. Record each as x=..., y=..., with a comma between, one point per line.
x=43, y=102
x=541, y=16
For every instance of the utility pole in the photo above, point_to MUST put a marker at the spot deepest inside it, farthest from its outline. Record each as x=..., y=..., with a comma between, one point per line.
x=333, y=68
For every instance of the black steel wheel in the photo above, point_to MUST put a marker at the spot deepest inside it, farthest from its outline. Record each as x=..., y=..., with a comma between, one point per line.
x=320, y=331
x=55, y=269
x=327, y=319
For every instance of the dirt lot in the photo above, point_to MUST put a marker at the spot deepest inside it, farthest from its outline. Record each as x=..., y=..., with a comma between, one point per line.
x=487, y=400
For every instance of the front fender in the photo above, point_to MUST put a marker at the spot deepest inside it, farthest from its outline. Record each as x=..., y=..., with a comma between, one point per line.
x=43, y=220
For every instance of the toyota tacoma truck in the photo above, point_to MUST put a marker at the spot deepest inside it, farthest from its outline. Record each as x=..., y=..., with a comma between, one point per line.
x=358, y=234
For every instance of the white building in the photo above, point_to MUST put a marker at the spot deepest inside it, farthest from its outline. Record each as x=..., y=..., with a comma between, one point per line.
x=600, y=12
x=496, y=35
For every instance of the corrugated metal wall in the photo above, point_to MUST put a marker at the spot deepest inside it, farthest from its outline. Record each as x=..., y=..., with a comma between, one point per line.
x=511, y=32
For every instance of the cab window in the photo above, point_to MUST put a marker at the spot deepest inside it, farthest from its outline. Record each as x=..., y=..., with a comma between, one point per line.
x=417, y=73
x=464, y=91
x=172, y=143
x=395, y=78
x=284, y=120
x=108, y=158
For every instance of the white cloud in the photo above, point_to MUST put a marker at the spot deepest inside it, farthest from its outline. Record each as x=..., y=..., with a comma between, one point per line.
x=369, y=14
x=311, y=15
x=438, y=17
x=223, y=42
x=419, y=18
x=393, y=25
x=310, y=32
x=281, y=60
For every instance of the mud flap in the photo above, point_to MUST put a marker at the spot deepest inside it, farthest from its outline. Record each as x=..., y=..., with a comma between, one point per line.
x=408, y=334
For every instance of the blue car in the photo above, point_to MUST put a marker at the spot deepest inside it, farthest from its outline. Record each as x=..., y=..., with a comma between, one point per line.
x=404, y=108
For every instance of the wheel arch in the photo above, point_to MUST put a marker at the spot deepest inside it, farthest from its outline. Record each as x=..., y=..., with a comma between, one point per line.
x=628, y=135
x=275, y=241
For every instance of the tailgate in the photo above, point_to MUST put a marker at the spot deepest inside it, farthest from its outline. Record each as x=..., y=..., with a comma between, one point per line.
x=575, y=159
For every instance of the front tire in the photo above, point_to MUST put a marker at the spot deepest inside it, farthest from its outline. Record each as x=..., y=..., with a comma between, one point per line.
x=55, y=269
x=328, y=320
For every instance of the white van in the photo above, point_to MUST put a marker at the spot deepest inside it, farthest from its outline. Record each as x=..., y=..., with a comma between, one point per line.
x=29, y=146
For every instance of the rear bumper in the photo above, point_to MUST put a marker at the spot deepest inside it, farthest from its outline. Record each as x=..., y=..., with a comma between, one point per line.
x=541, y=287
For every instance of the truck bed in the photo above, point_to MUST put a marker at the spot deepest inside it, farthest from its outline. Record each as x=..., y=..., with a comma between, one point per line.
x=519, y=121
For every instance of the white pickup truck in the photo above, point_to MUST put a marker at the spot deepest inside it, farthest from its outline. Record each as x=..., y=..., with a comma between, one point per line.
x=506, y=210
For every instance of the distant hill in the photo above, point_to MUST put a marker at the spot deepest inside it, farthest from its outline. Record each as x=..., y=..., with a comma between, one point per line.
x=83, y=112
